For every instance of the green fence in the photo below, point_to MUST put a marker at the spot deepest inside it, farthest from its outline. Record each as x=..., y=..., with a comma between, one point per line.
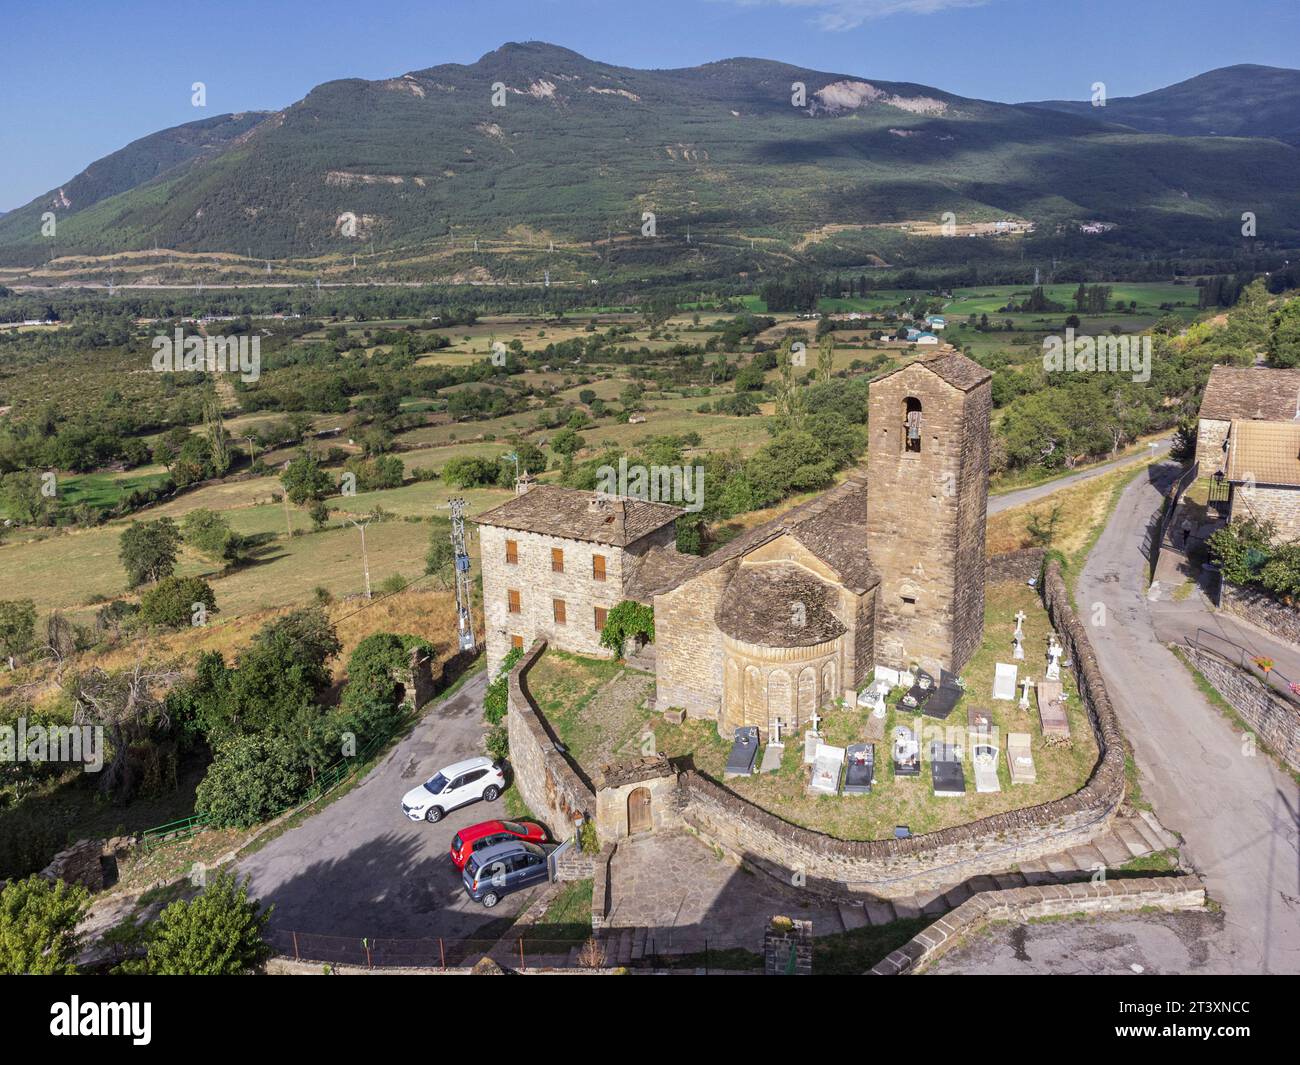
x=327, y=780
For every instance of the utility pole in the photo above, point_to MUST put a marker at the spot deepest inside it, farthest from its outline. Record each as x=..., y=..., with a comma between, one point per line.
x=464, y=590
x=365, y=558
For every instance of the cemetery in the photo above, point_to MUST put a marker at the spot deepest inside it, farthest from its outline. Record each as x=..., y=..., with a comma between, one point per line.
x=847, y=773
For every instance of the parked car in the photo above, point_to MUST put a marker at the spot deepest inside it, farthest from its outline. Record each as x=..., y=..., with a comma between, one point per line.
x=488, y=834
x=494, y=872
x=456, y=785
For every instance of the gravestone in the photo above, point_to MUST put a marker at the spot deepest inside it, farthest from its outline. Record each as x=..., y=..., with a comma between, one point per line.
x=1026, y=686
x=1004, y=681
x=906, y=752
x=1054, y=651
x=826, y=770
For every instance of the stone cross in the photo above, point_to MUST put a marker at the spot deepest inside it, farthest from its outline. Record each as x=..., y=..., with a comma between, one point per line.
x=1026, y=684
x=1018, y=649
x=1020, y=621
x=815, y=719
x=776, y=730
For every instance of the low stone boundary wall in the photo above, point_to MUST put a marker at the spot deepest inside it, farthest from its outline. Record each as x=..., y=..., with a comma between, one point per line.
x=549, y=784
x=1276, y=720
x=892, y=868
x=1023, y=565
x=1166, y=893
x=1261, y=610
x=601, y=896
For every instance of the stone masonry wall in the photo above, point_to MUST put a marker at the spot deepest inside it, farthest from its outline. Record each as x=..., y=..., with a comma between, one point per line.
x=1277, y=504
x=1210, y=436
x=1165, y=893
x=688, y=645
x=539, y=586
x=896, y=867
x=1276, y=720
x=551, y=787
x=1023, y=565
x=1262, y=610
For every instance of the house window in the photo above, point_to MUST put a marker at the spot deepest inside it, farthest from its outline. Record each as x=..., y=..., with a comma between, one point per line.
x=908, y=608
x=558, y=605
x=912, y=425
x=512, y=598
x=517, y=642
x=557, y=560
x=601, y=614
x=598, y=567
x=512, y=551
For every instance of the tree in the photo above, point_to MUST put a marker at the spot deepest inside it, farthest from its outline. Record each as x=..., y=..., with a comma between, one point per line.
x=627, y=619
x=21, y=498
x=319, y=512
x=219, y=933
x=439, y=558
x=17, y=627
x=304, y=480
x=38, y=926
x=469, y=472
x=211, y=535
x=148, y=550
x=1042, y=528
x=173, y=602
x=252, y=779
x=826, y=356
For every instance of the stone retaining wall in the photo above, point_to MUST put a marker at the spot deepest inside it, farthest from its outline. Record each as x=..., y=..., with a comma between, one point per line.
x=1274, y=718
x=549, y=784
x=1166, y=893
x=893, y=868
x=1261, y=610
x=1023, y=565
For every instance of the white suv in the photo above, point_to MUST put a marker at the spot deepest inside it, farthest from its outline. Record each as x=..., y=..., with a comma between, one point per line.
x=456, y=785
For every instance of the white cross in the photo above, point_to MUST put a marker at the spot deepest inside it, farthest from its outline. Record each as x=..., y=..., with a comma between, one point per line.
x=1020, y=621
x=776, y=729
x=815, y=719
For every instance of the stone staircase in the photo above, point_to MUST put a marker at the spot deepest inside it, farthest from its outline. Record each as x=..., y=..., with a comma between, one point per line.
x=1131, y=836
x=622, y=946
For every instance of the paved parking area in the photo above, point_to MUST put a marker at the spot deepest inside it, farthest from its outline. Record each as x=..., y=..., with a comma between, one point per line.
x=360, y=868
x=685, y=892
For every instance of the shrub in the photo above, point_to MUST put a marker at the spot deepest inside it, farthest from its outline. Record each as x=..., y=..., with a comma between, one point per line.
x=496, y=701
x=38, y=926
x=217, y=934
x=627, y=619
x=252, y=779
x=173, y=602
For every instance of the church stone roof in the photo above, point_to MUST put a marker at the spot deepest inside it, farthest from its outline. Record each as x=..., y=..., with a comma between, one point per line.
x=1234, y=392
x=778, y=604
x=832, y=526
x=577, y=515
x=951, y=365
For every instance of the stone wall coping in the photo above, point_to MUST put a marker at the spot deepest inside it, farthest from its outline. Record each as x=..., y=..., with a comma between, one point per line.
x=1164, y=892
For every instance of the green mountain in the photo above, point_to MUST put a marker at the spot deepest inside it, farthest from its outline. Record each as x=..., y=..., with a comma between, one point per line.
x=1238, y=101
x=419, y=167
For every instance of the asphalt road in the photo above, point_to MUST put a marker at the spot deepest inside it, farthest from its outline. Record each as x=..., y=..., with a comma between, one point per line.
x=1238, y=814
x=360, y=868
x=1021, y=496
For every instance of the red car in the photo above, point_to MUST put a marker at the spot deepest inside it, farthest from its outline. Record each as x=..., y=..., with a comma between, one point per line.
x=489, y=834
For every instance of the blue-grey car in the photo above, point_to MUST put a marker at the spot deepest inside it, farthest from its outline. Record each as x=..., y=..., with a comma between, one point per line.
x=493, y=873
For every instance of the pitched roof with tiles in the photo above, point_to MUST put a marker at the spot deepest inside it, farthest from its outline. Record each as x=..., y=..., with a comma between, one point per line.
x=576, y=515
x=1234, y=392
x=1264, y=452
x=951, y=365
x=778, y=604
x=830, y=525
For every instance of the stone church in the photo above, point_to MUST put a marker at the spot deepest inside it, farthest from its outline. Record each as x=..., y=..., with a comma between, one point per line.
x=887, y=568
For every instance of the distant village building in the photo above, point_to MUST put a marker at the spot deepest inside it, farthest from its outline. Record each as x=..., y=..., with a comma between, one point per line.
x=925, y=338
x=936, y=322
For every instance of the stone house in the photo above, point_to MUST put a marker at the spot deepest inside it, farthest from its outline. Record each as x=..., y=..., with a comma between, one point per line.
x=1262, y=466
x=1242, y=393
x=555, y=561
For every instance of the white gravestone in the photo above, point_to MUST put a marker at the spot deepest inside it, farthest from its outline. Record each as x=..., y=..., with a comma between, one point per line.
x=1054, y=651
x=1018, y=648
x=1027, y=686
x=1004, y=681
x=1020, y=622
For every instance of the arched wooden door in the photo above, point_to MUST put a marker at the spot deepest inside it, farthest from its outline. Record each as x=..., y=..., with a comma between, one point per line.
x=639, y=818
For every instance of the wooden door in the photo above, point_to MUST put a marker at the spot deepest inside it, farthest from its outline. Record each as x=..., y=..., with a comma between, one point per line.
x=638, y=811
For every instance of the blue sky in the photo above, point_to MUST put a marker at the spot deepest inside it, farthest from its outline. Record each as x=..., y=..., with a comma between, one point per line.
x=81, y=78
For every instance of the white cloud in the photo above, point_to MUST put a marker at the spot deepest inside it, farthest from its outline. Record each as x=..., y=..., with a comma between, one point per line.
x=850, y=14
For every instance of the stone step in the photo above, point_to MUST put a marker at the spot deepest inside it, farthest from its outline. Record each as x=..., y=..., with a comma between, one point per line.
x=1149, y=836
x=640, y=937
x=1167, y=839
x=625, y=946
x=956, y=895
x=1058, y=866
x=1008, y=881
x=933, y=904
x=880, y=912
x=976, y=884
x=1115, y=853
x=1132, y=839
x=853, y=916
x=907, y=906
x=1036, y=873
x=1087, y=858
